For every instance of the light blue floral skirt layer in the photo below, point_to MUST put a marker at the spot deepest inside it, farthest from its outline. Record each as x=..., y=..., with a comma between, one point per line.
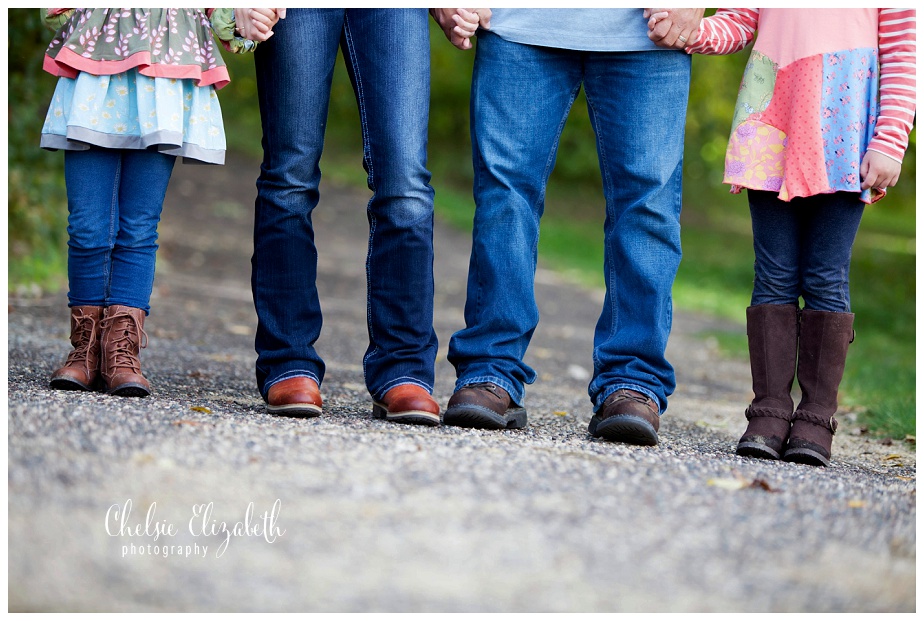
x=132, y=111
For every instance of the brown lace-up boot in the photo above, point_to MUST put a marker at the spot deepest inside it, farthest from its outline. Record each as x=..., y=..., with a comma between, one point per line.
x=81, y=369
x=122, y=339
x=822, y=356
x=772, y=344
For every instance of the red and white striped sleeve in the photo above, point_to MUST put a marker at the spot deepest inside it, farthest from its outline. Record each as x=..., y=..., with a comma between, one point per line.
x=726, y=32
x=897, y=51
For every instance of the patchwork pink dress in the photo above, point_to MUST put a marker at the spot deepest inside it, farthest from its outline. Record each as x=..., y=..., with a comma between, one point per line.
x=822, y=86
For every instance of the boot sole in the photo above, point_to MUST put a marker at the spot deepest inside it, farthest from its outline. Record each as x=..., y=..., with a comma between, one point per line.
x=805, y=456
x=756, y=449
x=295, y=410
x=476, y=417
x=410, y=417
x=130, y=390
x=626, y=429
x=66, y=383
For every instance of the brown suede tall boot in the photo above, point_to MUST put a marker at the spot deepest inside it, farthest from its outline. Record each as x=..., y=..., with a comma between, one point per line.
x=81, y=369
x=122, y=339
x=822, y=357
x=773, y=336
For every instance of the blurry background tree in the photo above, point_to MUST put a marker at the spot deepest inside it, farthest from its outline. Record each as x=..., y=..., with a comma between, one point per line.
x=715, y=275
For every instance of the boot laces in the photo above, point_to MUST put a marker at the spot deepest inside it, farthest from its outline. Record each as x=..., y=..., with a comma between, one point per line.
x=83, y=338
x=128, y=337
x=491, y=388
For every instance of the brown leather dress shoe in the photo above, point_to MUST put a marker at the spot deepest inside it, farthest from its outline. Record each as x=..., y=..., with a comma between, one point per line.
x=298, y=397
x=484, y=406
x=626, y=416
x=409, y=404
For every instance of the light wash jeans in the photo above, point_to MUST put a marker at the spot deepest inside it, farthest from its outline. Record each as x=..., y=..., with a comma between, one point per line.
x=521, y=96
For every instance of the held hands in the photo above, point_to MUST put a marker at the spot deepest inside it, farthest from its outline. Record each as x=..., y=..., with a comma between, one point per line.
x=879, y=171
x=673, y=28
x=257, y=24
x=459, y=25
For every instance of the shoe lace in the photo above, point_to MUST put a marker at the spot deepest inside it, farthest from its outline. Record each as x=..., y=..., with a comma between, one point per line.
x=623, y=395
x=129, y=335
x=491, y=388
x=85, y=334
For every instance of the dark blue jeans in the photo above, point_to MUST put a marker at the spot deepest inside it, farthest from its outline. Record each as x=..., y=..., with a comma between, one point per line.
x=387, y=53
x=521, y=96
x=114, y=201
x=802, y=248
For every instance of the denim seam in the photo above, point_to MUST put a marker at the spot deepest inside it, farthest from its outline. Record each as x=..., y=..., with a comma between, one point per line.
x=367, y=157
x=607, y=186
x=110, y=243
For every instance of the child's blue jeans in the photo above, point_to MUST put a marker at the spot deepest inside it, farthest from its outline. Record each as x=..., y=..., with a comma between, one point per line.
x=114, y=200
x=802, y=248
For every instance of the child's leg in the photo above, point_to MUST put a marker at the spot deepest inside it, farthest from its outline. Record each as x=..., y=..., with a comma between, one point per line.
x=772, y=325
x=143, y=183
x=830, y=227
x=776, y=226
x=92, y=179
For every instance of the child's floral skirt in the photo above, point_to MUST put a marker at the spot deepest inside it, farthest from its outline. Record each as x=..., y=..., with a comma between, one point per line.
x=132, y=111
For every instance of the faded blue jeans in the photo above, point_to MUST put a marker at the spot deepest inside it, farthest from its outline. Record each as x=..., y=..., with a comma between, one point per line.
x=521, y=96
x=387, y=53
x=114, y=201
x=803, y=247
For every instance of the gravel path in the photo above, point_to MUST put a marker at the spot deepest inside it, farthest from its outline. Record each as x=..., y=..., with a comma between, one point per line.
x=374, y=516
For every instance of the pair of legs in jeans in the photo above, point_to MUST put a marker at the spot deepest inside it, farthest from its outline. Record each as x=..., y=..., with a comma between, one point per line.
x=387, y=53
x=802, y=249
x=521, y=96
x=114, y=199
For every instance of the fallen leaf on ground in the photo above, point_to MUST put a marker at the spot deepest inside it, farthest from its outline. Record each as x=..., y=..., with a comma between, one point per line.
x=201, y=408
x=741, y=483
x=560, y=413
x=856, y=504
x=892, y=456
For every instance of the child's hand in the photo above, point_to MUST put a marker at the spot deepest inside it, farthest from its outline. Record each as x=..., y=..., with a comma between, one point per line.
x=459, y=25
x=879, y=171
x=257, y=24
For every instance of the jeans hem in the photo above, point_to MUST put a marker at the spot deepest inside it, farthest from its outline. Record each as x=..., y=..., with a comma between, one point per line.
x=289, y=375
x=400, y=381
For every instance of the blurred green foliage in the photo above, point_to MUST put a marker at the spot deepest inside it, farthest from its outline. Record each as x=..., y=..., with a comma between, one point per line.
x=37, y=207
x=716, y=273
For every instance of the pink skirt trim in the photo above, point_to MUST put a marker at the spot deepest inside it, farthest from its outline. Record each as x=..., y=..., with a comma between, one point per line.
x=67, y=64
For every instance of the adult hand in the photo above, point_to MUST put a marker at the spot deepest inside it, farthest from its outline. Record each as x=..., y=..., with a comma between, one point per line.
x=676, y=29
x=257, y=24
x=879, y=171
x=459, y=25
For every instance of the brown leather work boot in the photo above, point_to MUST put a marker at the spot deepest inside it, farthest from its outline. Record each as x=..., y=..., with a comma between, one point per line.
x=627, y=416
x=408, y=403
x=823, y=343
x=298, y=397
x=81, y=369
x=122, y=339
x=484, y=406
